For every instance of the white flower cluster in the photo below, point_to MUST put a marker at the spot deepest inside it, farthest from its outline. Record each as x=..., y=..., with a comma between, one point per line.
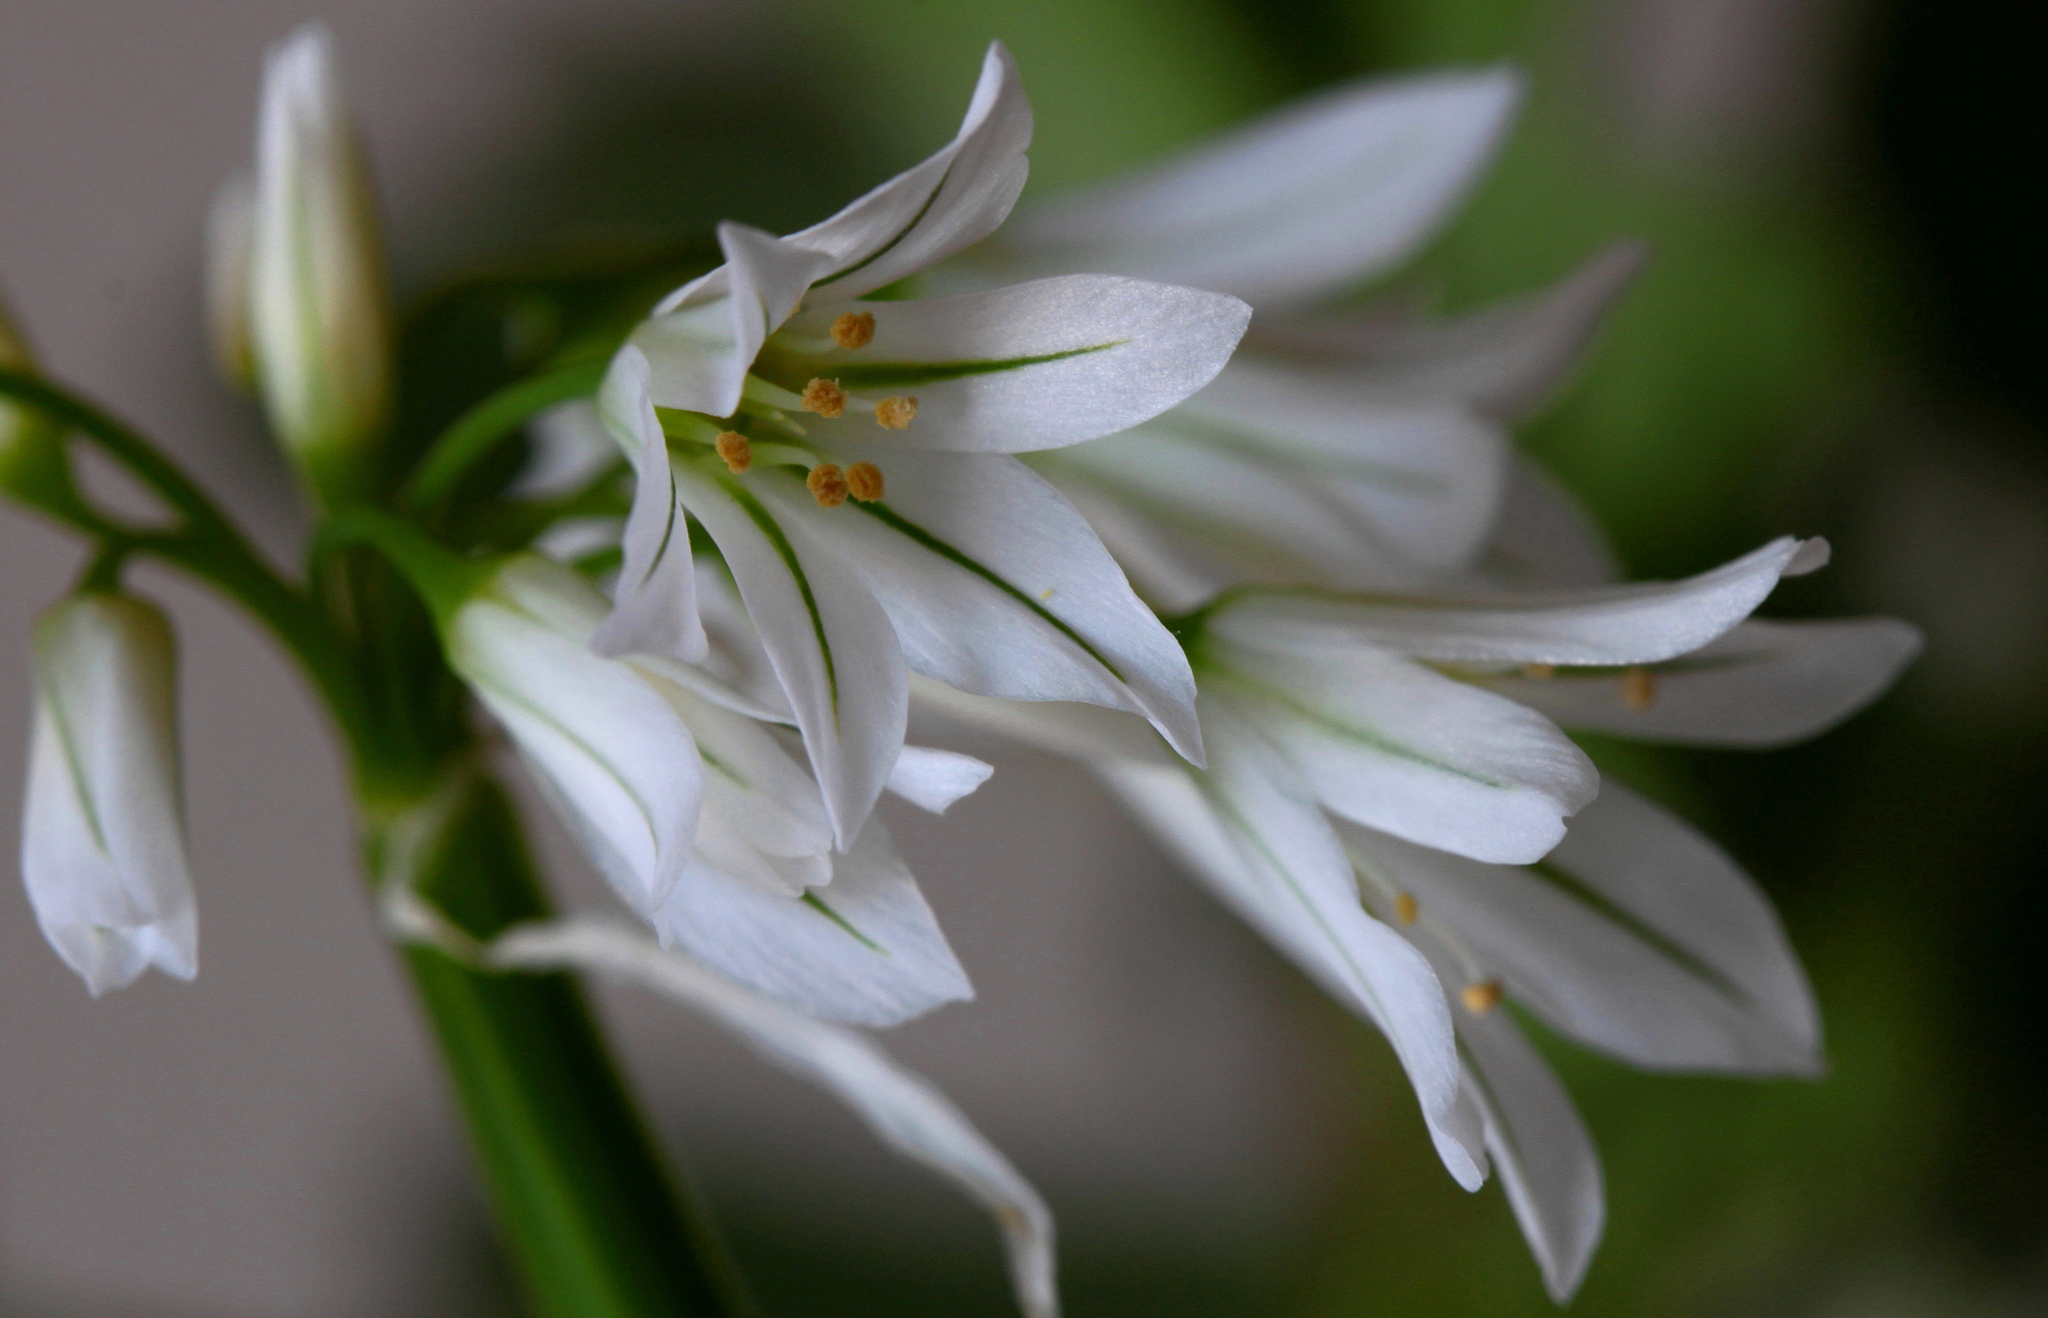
x=1298, y=604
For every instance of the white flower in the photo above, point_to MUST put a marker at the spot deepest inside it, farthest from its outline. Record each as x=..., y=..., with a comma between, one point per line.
x=684, y=790
x=888, y=530
x=103, y=840
x=1359, y=450
x=318, y=321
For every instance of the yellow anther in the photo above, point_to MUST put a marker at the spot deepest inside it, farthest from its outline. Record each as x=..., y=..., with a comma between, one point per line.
x=895, y=413
x=827, y=485
x=854, y=329
x=738, y=454
x=864, y=481
x=1480, y=997
x=1638, y=688
x=1406, y=909
x=1539, y=672
x=824, y=397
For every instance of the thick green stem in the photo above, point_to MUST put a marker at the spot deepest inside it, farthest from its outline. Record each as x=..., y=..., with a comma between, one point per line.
x=486, y=425
x=595, y=1227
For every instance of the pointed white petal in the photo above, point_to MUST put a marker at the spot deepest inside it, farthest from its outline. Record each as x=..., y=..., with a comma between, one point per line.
x=1762, y=684
x=1081, y=732
x=903, y=1109
x=1391, y=744
x=829, y=640
x=1548, y=1165
x=1709, y=984
x=701, y=348
x=933, y=779
x=654, y=609
x=102, y=837
x=617, y=758
x=1248, y=831
x=735, y=672
x=1031, y=366
x=1543, y=539
x=1167, y=565
x=568, y=448
x=1323, y=194
x=997, y=586
x=1631, y=624
x=864, y=949
x=952, y=200
x=1504, y=360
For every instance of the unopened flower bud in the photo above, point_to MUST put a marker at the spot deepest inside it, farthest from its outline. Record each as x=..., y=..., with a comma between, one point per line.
x=319, y=312
x=30, y=454
x=103, y=843
x=227, y=282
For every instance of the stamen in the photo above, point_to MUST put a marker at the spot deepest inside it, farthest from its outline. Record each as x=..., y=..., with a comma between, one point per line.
x=1481, y=997
x=864, y=481
x=1406, y=909
x=827, y=485
x=738, y=454
x=895, y=413
x=824, y=397
x=1638, y=688
x=1539, y=672
x=854, y=329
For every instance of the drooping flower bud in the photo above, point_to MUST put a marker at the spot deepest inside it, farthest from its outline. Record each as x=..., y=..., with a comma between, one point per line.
x=102, y=839
x=319, y=319
x=227, y=281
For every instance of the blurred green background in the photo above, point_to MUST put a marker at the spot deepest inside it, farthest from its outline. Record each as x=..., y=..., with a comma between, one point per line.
x=1839, y=335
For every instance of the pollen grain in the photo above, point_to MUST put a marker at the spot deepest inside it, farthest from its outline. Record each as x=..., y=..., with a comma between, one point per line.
x=827, y=485
x=1406, y=909
x=1638, y=688
x=824, y=397
x=738, y=454
x=1481, y=996
x=895, y=413
x=1539, y=672
x=854, y=329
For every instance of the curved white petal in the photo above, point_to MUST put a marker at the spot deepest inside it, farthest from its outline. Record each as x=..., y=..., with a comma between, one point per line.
x=654, y=609
x=1543, y=539
x=933, y=779
x=1030, y=366
x=1080, y=732
x=1324, y=193
x=903, y=1109
x=102, y=834
x=1548, y=1165
x=1633, y=624
x=864, y=949
x=828, y=639
x=952, y=200
x=568, y=448
x=997, y=586
x=701, y=347
x=1675, y=963
x=1248, y=831
x=618, y=759
x=1761, y=684
x=1167, y=563
x=1504, y=360
x=1392, y=745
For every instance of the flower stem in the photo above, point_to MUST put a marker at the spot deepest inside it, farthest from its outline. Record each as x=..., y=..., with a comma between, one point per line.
x=595, y=1226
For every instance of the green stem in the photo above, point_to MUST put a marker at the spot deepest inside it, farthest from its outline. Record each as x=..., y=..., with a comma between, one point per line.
x=483, y=427
x=595, y=1227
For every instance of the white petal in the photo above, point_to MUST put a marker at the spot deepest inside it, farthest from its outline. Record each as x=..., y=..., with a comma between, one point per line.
x=1543, y=539
x=1631, y=624
x=654, y=609
x=864, y=949
x=952, y=200
x=1762, y=684
x=827, y=637
x=1167, y=564
x=1548, y=1165
x=102, y=838
x=568, y=448
x=1081, y=732
x=735, y=672
x=1709, y=986
x=1393, y=745
x=618, y=759
x=1031, y=366
x=933, y=779
x=701, y=348
x=997, y=586
x=1257, y=841
x=903, y=1109
x=1504, y=360
x=1323, y=194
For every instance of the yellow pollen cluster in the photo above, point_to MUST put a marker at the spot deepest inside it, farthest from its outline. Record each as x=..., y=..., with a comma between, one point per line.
x=738, y=454
x=1406, y=909
x=1480, y=997
x=1638, y=688
x=864, y=481
x=895, y=413
x=1539, y=672
x=854, y=329
x=824, y=397
x=827, y=485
